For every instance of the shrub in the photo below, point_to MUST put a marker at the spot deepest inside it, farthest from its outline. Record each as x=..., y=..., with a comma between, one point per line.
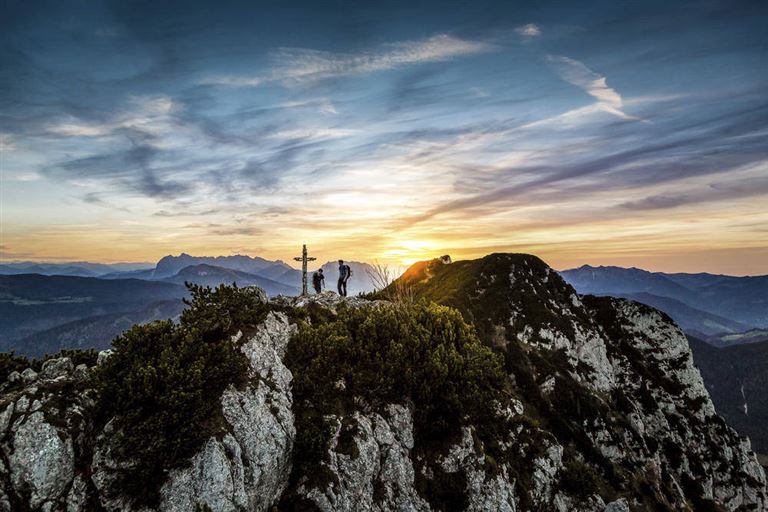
x=420, y=354
x=163, y=383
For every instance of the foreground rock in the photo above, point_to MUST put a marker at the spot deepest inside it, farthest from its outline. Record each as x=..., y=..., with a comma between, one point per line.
x=248, y=468
x=44, y=426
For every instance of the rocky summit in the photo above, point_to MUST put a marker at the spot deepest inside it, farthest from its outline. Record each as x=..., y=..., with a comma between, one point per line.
x=474, y=385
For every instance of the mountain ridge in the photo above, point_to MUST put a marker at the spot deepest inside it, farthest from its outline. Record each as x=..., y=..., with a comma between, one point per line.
x=33, y=302
x=566, y=402
x=211, y=275
x=738, y=299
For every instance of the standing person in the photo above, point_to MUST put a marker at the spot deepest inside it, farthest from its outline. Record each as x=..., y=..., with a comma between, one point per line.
x=344, y=273
x=318, y=280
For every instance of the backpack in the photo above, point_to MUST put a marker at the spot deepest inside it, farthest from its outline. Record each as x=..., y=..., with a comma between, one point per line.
x=349, y=271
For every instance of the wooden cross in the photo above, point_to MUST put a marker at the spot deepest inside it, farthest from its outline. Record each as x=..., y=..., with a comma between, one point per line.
x=304, y=259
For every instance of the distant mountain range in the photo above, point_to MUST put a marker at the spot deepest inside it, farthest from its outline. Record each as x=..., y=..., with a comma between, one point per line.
x=46, y=307
x=30, y=303
x=94, y=331
x=169, y=266
x=75, y=268
x=209, y=275
x=248, y=269
x=702, y=304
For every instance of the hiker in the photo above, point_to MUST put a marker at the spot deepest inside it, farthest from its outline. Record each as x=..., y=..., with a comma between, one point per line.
x=344, y=274
x=318, y=280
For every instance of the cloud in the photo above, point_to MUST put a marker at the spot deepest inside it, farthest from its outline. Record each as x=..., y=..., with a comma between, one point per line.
x=323, y=105
x=528, y=31
x=7, y=255
x=96, y=199
x=150, y=115
x=312, y=133
x=25, y=177
x=186, y=213
x=7, y=143
x=724, y=191
x=671, y=153
x=133, y=169
x=594, y=84
x=299, y=66
x=478, y=92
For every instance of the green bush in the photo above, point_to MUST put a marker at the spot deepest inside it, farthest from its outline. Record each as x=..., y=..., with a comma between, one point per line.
x=162, y=385
x=420, y=354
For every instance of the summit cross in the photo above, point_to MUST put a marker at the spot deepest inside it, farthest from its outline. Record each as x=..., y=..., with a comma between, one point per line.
x=304, y=259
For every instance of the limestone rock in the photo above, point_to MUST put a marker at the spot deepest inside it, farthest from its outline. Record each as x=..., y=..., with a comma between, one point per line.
x=103, y=356
x=40, y=461
x=248, y=469
x=54, y=368
x=327, y=299
x=375, y=472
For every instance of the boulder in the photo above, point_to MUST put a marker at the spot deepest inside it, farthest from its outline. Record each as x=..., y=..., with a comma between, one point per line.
x=54, y=368
x=41, y=462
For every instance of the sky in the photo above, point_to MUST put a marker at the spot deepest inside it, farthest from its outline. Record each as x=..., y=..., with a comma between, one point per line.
x=625, y=133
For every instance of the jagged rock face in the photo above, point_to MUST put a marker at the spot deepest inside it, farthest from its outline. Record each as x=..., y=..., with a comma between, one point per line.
x=374, y=470
x=603, y=386
x=518, y=297
x=677, y=412
x=248, y=468
x=641, y=407
x=43, y=427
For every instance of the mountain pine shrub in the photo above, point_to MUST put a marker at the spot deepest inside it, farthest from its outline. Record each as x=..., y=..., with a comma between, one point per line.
x=422, y=355
x=162, y=385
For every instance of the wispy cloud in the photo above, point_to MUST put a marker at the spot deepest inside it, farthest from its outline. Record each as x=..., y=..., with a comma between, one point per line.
x=186, y=213
x=96, y=199
x=755, y=183
x=299, y=66
x=147, y=114
x=323, y=105
x=594, y=84
x=313, y=133
x=444, y=142
x=7, y=142
x=528, y=31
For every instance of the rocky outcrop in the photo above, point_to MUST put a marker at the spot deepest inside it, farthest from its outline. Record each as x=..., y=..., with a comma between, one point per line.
x=43, y=427
x=248, y=468
x=615, y=377
x=373, y=470
x=327, y=299
x=608, y=412
x=40, y=462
